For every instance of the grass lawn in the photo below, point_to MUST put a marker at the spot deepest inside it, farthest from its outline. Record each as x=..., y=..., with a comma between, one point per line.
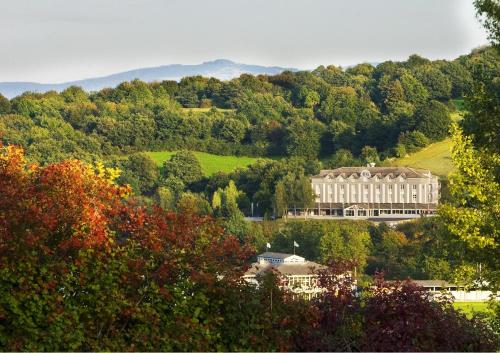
x=210, y=163
x=435, y=157
x=469, y=308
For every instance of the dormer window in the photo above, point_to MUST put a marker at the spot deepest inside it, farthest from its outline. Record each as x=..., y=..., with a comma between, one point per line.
x=365, y=173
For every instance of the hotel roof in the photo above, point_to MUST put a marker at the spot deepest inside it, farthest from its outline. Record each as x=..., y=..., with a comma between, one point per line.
x=292, y=269
x=275, y=255
x=381, y=172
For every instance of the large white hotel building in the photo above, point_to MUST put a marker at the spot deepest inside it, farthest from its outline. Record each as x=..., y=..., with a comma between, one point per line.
x=375, y=192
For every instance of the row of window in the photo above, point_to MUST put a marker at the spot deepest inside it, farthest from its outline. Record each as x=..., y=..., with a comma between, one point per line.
x=389, y=198
x=377, y=187
x=363, y=213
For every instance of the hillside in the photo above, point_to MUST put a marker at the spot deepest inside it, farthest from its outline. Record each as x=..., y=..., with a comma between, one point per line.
x=210, y=163
x=435, y=157
x=221, y=69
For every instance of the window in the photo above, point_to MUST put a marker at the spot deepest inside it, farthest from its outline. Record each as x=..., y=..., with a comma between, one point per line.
x=378, y=187
x=415, y=198
x=414, y=187
x=349, y=212
x=402, y=187
x=366, y=187
x=390, y=187
x=341, y=187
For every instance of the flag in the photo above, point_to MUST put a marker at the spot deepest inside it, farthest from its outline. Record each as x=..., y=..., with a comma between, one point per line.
x=268, y=245
x=295, y=244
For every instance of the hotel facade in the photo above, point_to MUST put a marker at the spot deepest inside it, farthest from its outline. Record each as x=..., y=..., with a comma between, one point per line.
x=375, y=193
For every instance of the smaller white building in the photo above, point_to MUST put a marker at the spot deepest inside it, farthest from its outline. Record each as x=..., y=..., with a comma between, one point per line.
x=437, y=287
x=300, y=275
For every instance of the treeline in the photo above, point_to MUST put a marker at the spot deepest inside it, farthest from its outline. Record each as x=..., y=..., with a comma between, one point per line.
x=84, y=269
x=362, y=113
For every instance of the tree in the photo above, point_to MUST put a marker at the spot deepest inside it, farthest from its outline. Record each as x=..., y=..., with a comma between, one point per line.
x=346, y=243
x=4, y=105
x=165, y=198
x=460, y=77
x=433, y=120
x=390, y=255
x=340, y=104
x=193, y=204
x=472, y=214
x=400, y=150
x=438, y=85
x=293, y=191
x=418, y=323
x=281, y=199
x=489, y=10
x=341, y=158
x=369, y=155
x=303, y=138
x=141, y=172
x=303, y=196
x=185, y=166
x=175, y=185
x=483, y=103
x=412, y=141
x=342, y=134
x=414, y=92
x=225, y=204
x=229, y=129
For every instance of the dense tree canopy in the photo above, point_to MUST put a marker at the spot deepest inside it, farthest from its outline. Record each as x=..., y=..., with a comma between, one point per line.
x=312, y=114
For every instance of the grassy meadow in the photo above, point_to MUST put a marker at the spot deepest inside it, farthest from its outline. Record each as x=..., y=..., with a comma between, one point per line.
x=210, y=163
x=435, y=157
x=470, y=308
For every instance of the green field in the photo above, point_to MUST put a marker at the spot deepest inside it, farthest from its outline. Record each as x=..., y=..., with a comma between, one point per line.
x=435, y=157
x=210, y=163
x=470, y=308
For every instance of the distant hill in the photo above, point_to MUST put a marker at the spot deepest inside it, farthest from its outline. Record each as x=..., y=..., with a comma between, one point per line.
x=221, y=69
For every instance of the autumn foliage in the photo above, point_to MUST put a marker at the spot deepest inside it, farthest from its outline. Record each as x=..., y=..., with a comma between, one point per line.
x=83, y=268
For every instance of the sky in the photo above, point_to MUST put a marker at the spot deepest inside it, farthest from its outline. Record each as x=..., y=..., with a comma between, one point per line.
x=53, y=41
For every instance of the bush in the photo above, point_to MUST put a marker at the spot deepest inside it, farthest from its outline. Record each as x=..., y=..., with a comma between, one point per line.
x=413, y=141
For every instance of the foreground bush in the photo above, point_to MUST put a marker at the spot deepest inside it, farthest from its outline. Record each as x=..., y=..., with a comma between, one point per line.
x=82, y=268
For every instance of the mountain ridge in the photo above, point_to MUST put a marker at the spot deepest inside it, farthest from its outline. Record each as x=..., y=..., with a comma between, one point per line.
x=222, y=69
